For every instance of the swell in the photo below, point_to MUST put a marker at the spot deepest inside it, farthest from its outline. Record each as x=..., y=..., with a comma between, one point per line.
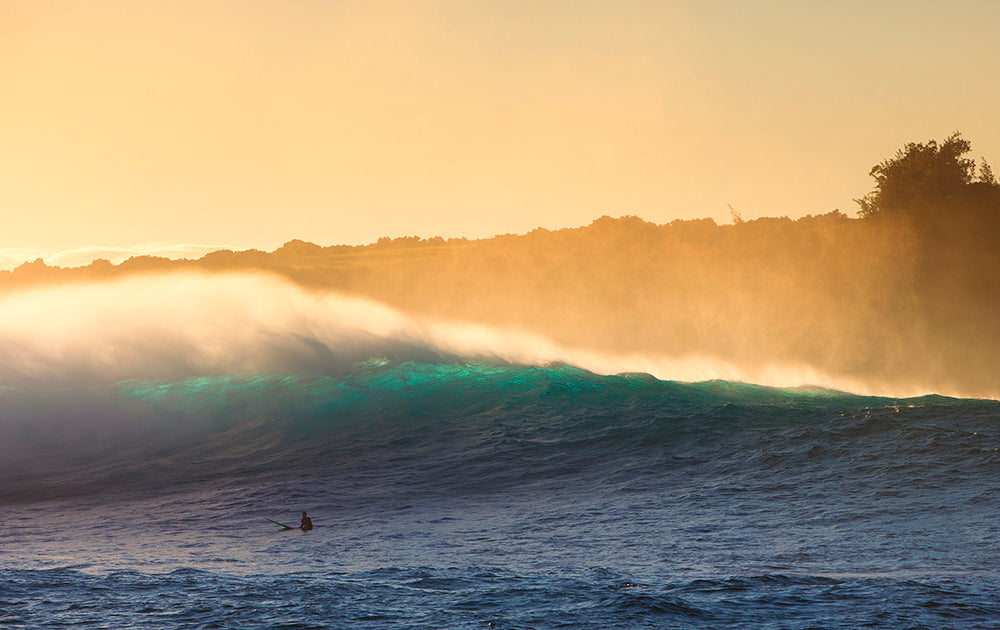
x=446, y=427
x=151, y=383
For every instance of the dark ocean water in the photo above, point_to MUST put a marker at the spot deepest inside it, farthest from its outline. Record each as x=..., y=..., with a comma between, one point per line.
x=455, y=494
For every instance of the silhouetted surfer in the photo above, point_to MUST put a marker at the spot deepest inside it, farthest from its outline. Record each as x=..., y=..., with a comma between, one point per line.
x=306, y=524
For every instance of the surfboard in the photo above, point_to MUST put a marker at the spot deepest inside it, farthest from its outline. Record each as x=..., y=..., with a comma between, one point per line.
x=282, y=524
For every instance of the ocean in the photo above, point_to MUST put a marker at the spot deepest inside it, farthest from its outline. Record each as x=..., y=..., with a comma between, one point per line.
x=469, y=490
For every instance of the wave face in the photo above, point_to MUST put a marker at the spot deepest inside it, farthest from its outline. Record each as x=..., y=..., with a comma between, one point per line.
x=150, y=382
x=443, y=428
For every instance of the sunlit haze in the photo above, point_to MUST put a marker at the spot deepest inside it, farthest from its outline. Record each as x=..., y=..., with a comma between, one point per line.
x=247, y=124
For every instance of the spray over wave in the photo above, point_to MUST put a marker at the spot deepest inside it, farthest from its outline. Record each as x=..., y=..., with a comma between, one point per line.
x=180, y=325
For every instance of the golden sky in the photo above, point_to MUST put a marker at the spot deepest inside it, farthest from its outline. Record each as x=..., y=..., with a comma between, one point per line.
x=247, y=123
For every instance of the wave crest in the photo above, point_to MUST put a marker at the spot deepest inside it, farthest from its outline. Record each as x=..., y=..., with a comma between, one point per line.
x=180, y=325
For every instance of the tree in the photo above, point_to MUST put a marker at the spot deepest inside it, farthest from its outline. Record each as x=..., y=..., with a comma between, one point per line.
x=919, y=178
x=986, y=173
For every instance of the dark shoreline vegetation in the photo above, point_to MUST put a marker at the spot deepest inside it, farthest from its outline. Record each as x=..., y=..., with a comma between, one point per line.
x=908, y=292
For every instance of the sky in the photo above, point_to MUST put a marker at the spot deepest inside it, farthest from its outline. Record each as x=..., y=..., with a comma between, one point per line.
x=184, y=126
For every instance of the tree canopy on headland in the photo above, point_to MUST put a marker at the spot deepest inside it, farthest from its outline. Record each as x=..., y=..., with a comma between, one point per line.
x=908, y=291
x=924, y=179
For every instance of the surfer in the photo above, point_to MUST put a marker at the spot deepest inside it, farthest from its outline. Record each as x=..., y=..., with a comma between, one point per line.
x=306, y=524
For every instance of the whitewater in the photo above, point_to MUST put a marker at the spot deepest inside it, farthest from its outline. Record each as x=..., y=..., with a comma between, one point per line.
x=461, y=476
